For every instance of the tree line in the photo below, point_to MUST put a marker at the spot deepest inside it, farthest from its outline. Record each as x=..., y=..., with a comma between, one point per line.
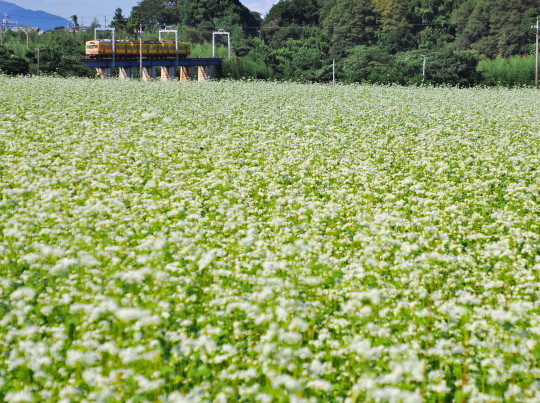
x=453, y=42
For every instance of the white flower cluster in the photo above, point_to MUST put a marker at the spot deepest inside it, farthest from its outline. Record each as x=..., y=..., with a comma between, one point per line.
x=268, y=242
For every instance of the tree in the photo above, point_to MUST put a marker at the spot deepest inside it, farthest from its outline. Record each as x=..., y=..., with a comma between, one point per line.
x=453, y=67
x=134, y=21
x=325, y=8
x=158, y=12
x=431, y=21
x=287, y=20
x=368, y=63
x=395, y=33
x=351, y=23
x=397, y=38
x=54, y=62
x=198, y=17
x=119, y=21
x=75, y=21
x=495, y=27
x=221, y=14
x=303, y=59
x=299, y=12
x=11, y=64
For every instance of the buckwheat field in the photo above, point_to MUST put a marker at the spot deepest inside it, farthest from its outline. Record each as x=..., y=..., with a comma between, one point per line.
x=248, y=241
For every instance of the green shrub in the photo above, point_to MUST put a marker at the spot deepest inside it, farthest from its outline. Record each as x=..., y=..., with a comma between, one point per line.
x=515, y=71
x=245, y=67
x=11, y=64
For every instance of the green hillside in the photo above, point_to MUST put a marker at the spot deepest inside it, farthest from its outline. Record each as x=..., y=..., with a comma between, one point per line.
x=452, y=42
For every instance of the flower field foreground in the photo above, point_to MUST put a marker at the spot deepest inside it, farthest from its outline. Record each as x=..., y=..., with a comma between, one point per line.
x=230, y=241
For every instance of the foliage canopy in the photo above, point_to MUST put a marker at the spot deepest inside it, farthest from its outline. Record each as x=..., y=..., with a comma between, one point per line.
x=370, y=40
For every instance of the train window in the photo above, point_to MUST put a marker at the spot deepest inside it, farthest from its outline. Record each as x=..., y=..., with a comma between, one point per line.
x=92, y=47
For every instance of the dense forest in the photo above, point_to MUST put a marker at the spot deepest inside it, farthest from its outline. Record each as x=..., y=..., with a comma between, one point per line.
x=454, y=42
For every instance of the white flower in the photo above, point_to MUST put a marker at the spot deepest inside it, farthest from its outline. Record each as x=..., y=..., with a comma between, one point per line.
x=298, y=325
x=206, y=259
x=177, y=397
x=63, y=265
x=23, y=293
x=146, y=385
x=129, y=314
x=320, y=384
x=285, y=381
x=440, y=387
x=19, y=396
x=31, y=258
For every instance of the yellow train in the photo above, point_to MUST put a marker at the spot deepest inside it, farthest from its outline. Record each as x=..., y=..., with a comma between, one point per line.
x=131, y=49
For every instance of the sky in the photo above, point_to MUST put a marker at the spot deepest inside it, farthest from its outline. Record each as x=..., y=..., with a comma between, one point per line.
x=86, y=11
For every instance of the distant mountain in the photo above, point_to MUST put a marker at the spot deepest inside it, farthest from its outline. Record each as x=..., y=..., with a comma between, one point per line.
x=21, y=17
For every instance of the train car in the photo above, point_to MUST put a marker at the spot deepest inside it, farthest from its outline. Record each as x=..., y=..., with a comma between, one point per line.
x=103, y=48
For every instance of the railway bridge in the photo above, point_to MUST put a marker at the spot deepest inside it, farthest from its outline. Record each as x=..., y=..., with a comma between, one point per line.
x=189, y=67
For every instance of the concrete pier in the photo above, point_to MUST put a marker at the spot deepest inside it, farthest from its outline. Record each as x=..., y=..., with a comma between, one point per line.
x=167, y=73
x=104, y=72
x=126, y=72
x=127, y=68
x=148, y=73
x=185, y=73
x=203, y=73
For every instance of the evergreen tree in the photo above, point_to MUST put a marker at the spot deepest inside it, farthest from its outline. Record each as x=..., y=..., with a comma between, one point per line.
x=75, y=21
x=11, y=64
x=287, y=19
x=119, y=21
x=134, y=21
x=496, y=27
x=431, y=21
x=351, y=23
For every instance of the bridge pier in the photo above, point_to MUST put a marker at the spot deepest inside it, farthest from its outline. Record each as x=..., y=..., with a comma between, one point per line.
x=167, y=73
x=104, y=72
x=197, y=68
x=185, y=74
x=148, y=73
x=126, y=72
x=203, y=73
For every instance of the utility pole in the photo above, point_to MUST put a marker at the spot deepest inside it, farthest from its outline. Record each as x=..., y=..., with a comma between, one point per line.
x=424, y=69
x=537, y=27
x=5, y=25
x=334, y=72
x=140, y=52
x=38, y=62
x=27, y=30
